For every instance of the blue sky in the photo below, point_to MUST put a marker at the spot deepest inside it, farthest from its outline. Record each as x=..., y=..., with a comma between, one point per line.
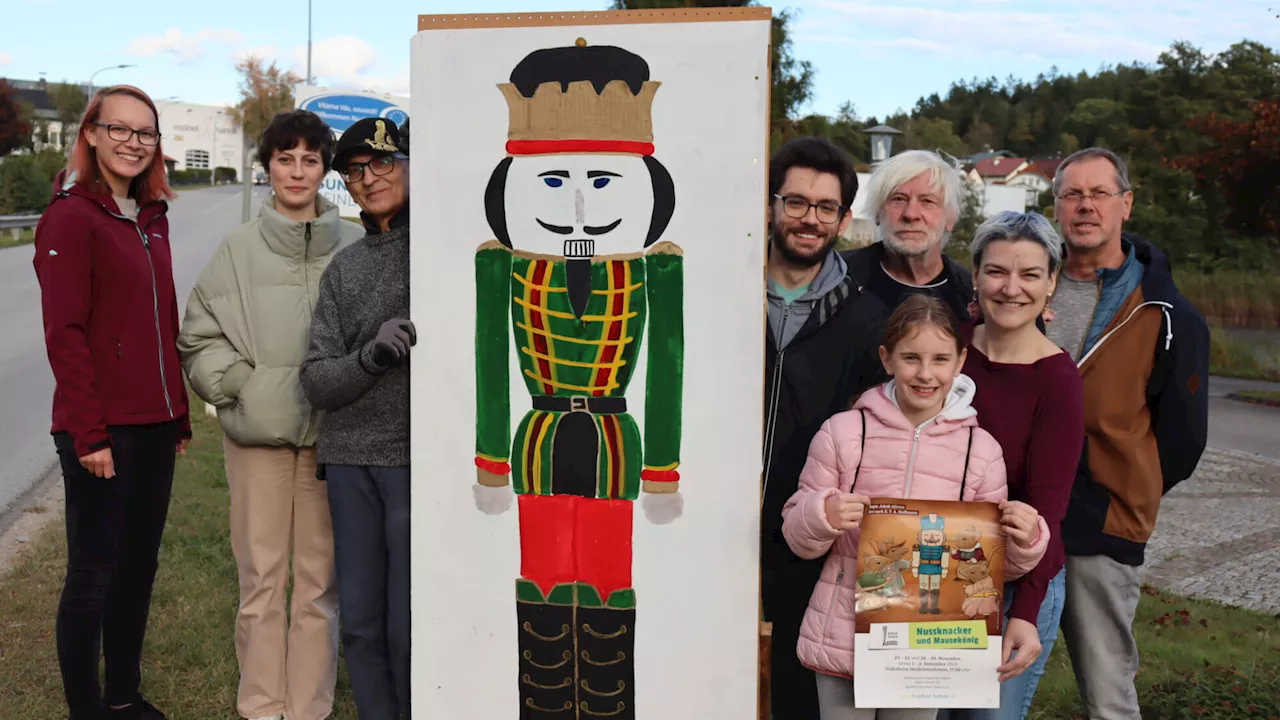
x=880, y=55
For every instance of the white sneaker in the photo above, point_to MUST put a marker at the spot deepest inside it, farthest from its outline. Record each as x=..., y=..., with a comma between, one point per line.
x=271, y=717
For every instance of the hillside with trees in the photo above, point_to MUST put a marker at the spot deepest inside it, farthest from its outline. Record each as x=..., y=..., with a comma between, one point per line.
x=1201, y=134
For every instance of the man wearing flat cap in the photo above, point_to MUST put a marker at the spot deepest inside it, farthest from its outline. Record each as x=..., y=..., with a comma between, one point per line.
x=357, y=374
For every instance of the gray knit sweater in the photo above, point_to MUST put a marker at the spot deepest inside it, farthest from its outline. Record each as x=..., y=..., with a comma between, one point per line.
x=367, y=409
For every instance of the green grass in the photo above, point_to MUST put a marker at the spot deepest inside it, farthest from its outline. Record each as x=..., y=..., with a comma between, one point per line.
x=1235, y=298
x=189, y=664
x=1269, y=395
x=26, y=237
x=189, y=670
x=1195, y=657
x=1232, y=357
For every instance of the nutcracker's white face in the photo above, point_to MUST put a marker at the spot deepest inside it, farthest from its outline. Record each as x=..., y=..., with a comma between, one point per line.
x=553, y=198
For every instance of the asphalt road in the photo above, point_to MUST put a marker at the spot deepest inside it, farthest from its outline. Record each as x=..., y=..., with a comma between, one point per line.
x=1240, y=426
x=198, y=220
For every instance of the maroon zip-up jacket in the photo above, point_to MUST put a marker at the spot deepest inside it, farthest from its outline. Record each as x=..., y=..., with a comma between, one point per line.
x=110, y=316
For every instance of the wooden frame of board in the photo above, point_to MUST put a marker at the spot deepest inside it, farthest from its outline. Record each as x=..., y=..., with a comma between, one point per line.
x=427, y=22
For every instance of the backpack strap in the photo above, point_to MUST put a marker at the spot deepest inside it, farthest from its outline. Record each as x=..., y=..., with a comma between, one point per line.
x=965, y=477
x=862, y=449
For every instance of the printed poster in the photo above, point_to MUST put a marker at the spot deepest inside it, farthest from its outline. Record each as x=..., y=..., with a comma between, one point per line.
x=589, y=194
x=928, y=605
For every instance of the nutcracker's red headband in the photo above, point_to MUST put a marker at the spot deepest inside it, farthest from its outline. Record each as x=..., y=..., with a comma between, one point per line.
x=556, y=147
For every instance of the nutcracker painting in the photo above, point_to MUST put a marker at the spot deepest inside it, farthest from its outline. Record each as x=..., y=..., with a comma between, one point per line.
x=579, y=279
x=588, y=258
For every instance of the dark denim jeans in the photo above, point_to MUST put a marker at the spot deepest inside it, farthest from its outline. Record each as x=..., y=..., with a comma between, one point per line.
x=1017, y=693
x=370, y=509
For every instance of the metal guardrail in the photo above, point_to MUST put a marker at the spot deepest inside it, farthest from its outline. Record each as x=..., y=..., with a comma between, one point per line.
x=15, y=224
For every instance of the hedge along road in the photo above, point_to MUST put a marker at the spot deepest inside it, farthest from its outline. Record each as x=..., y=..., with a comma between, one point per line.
x=198, y=220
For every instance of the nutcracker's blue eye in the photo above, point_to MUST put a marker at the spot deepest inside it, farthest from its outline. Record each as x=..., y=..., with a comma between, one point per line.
x=601, y=182
x=553, y=181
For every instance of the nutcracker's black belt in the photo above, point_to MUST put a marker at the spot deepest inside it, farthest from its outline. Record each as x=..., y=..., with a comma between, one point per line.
x=581, y=403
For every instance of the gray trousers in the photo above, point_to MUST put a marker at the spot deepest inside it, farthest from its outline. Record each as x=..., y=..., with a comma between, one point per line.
x=370, y=509
x=835, y=702
x=1097, y=623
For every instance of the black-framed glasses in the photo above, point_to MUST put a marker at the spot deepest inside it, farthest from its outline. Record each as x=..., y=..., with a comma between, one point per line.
x=380, y=165
x=797, y=207
x=122, y=133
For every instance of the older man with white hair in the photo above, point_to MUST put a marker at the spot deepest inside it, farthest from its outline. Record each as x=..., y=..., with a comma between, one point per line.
x=915, y=199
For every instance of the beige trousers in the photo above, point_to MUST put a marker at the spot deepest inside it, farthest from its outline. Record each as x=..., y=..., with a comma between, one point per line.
x=287, y=664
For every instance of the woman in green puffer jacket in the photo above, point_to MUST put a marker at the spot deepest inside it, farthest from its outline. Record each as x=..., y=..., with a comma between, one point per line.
x=247, y=329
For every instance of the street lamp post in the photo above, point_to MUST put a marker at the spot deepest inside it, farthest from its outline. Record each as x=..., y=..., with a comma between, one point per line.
x=881, y=142
x=89, y=90
x=308, y=42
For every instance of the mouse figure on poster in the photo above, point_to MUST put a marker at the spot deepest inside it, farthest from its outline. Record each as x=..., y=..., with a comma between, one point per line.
x=578, y=277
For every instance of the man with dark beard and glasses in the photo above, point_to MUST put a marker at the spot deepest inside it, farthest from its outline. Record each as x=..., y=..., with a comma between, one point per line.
x=821, y=352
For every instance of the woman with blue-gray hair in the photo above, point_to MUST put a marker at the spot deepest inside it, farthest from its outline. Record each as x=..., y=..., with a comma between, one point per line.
x=1030, y=398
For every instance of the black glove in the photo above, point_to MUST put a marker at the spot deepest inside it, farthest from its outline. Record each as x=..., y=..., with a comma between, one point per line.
x=392, y=343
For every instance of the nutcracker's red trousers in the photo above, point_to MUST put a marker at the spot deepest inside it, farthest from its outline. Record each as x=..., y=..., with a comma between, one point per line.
x=568, y=538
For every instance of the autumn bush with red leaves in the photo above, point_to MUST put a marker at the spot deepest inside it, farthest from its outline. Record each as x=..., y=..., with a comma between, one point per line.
x=1243, y=162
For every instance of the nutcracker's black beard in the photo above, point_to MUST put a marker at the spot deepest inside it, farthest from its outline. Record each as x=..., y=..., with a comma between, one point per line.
x=577, y=271
x=578, y=277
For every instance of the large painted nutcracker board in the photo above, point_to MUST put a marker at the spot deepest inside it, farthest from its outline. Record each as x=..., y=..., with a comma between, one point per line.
x=588, y=199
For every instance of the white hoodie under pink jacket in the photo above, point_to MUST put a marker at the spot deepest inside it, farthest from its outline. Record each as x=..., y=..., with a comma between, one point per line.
x=901, y=461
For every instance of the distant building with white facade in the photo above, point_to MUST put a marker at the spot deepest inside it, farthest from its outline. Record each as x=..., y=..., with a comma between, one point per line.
x=1032, y=176
x=200, y=137
x=46, y=130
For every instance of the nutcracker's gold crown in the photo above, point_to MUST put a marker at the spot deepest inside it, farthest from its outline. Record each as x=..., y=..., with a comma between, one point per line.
x=580, y=114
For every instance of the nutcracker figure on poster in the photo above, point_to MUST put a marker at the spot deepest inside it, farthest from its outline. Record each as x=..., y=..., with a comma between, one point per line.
x=577, y=276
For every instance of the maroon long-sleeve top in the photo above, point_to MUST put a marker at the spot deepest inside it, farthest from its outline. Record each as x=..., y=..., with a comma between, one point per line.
x=1036, y=412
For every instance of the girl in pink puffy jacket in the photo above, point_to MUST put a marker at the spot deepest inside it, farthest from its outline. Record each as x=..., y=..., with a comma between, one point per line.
x=922, y=441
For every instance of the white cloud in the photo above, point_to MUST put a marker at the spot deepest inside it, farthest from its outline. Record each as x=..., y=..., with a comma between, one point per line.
x=1135, y=30
x=186, y=48
x=338, y=62
x=344, y=61
x=342, y=57
x=5, y=59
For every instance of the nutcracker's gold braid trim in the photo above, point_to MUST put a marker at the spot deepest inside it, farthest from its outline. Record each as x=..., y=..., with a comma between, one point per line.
x=548, y=288
x=570, y=316
x=606, y=329
x=528, y=283
x=571, y=363
x=566, y=338
x=538, y=455
x=531, y=311
x=567, y=386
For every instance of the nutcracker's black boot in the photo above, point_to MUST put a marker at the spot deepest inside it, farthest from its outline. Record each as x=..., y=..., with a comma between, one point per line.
x=606, y=659
x=546, y=645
